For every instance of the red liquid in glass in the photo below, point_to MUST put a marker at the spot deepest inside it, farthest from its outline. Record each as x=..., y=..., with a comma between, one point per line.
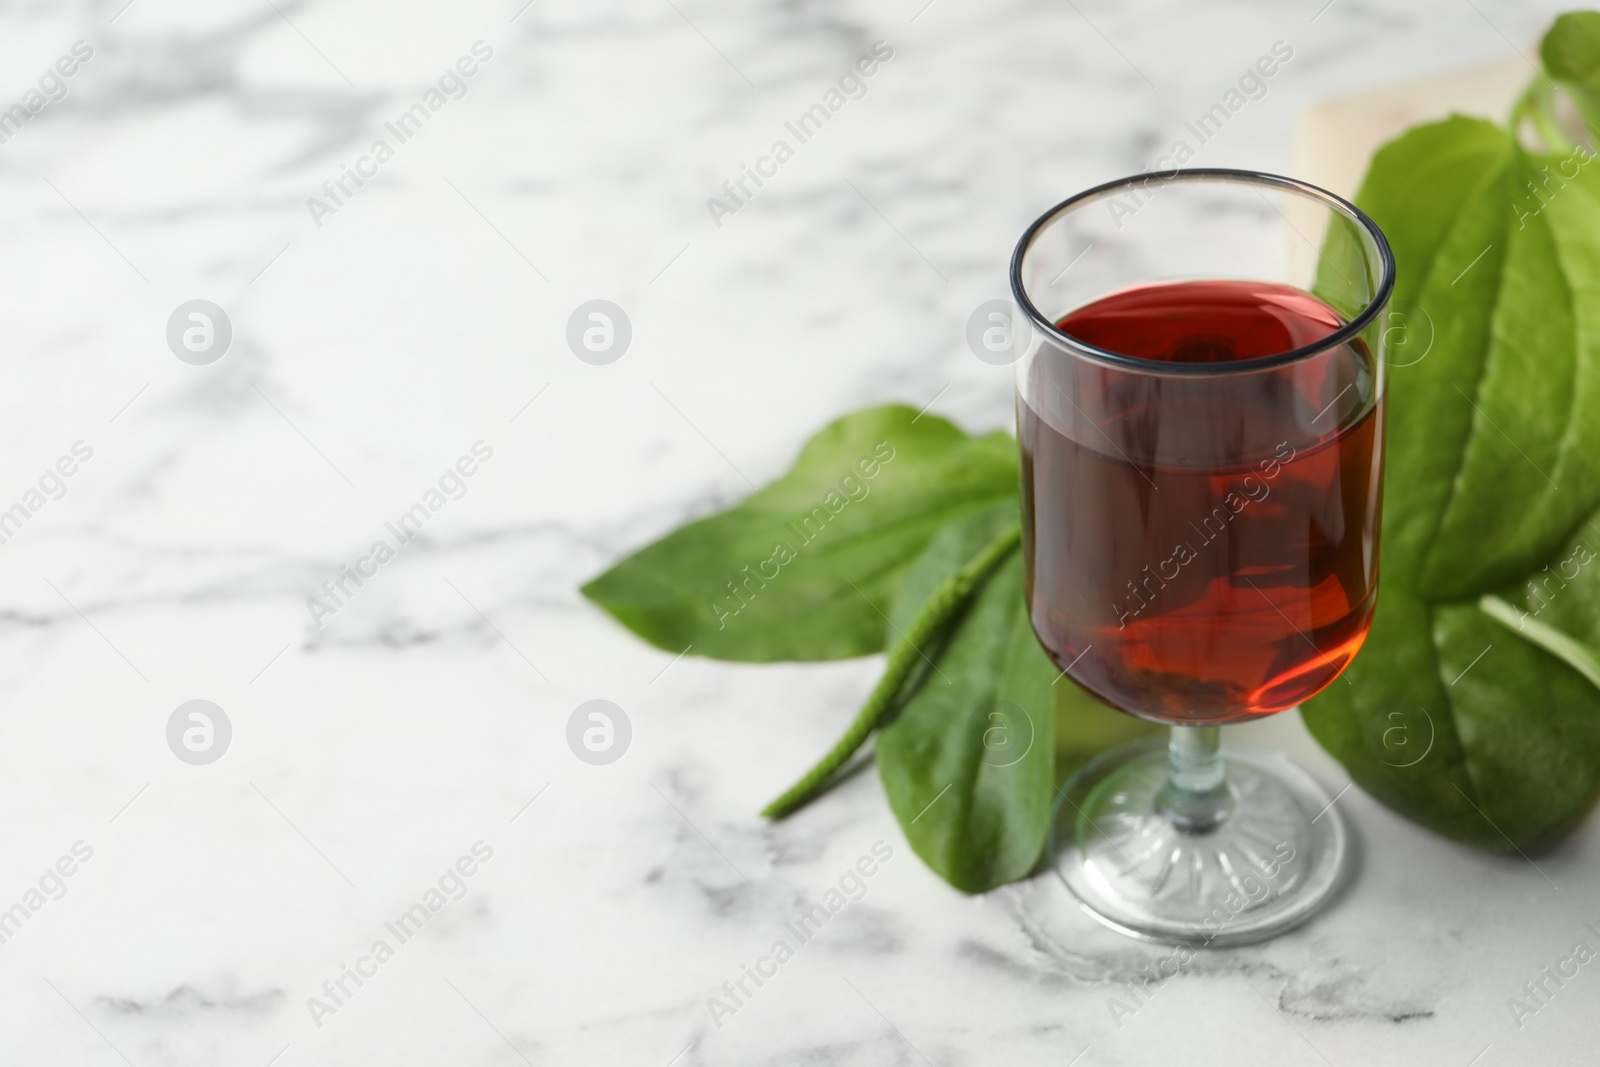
x=1202, y=549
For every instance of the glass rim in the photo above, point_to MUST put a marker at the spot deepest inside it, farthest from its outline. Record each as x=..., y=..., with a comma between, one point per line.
x=1333, y=201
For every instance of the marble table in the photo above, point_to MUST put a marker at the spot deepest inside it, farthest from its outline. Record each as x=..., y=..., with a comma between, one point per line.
x=394, y=766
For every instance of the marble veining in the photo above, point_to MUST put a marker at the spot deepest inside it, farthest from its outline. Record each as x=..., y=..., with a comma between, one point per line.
x=373, y=345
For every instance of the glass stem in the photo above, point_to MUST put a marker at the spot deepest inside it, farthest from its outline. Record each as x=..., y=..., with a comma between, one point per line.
x=1196, y=796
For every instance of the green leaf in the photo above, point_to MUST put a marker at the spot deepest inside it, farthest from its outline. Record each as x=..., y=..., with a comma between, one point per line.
x=1085, y=725
x=1571, y=54
x=1565, y=592
x=1571, y=49
x=793, y=572
x=1492, y=465
x=968, y=764
x=917, y=643
x=1468, y=729
x=956, y=543
x=1579, y=657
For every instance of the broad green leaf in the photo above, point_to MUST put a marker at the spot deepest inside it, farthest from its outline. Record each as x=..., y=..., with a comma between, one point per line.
x=945, y=553
x=1580, y=657
x=794, y=571
x=1571, y=50
x=1083, y=726
x=1571, y=54
x=1565, y=592
x=910, y=647
x=968, y=763
x=1492, y=464
x=1465, y=727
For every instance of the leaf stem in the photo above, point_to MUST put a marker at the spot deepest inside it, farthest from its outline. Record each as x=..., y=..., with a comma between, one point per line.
x=1537, y=104
x=945, y=602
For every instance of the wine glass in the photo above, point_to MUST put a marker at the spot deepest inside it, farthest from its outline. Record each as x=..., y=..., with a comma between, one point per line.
x=1200, y=417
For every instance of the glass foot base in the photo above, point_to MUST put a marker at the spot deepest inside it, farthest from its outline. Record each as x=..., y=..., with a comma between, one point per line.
x=1268, y=865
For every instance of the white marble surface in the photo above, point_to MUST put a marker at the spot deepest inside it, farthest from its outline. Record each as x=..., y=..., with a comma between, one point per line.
x=369, y=353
